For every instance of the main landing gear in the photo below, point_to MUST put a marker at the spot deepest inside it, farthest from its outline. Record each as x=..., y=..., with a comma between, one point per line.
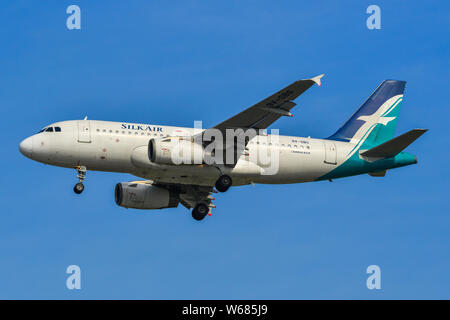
x=223, y=183
x=200, y=211
x=79, y=187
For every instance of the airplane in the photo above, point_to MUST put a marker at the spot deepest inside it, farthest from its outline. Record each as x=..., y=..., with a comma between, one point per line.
x=365, y=144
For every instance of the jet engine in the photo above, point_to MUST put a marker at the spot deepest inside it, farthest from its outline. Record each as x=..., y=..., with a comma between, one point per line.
x=175, y=151
x=144, y=196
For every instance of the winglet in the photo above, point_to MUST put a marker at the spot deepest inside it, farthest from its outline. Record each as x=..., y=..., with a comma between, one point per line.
x=317, y=79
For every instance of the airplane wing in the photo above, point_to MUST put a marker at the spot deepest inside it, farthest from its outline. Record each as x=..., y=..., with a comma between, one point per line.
x=258, y=116
x=267, y=111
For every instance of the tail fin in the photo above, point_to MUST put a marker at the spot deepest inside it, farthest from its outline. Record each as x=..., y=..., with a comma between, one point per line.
x=375, y=121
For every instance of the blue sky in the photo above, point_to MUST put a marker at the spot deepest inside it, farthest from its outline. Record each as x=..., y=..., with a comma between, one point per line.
x=174, y=62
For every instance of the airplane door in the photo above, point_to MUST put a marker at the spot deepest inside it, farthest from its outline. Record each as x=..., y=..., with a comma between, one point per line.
x=84, y=131
x=330, y=152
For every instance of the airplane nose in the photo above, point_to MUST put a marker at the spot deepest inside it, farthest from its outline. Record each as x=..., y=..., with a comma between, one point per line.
x=26, y=147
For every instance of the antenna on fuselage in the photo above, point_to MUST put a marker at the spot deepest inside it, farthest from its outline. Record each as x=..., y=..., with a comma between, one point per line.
x=85, y=118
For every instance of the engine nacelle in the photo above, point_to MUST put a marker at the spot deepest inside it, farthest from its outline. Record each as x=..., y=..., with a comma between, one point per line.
x=175, y=151
x=144, y=196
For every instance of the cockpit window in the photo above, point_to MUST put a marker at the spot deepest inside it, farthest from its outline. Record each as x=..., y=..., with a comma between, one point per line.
x=51, y=129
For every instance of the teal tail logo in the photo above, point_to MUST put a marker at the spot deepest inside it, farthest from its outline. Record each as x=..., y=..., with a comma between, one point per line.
x=375, y=121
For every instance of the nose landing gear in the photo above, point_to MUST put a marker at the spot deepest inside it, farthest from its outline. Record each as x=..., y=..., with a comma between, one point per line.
x=79, y=187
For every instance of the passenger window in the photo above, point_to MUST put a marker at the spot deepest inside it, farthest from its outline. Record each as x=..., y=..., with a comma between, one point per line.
x=57, y=129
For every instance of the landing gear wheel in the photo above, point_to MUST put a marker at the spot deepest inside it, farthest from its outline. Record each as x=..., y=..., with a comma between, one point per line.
x=223, y=183
x=200, y=211
x=79, y=187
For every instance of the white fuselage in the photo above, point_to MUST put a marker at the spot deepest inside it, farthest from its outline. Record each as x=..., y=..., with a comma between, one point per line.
x=122, y=147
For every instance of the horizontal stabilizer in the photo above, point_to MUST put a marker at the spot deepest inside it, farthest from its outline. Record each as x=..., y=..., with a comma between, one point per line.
x=394, y=146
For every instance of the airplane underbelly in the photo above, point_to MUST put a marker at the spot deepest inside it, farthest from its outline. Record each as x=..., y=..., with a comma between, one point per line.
x=184, y=174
